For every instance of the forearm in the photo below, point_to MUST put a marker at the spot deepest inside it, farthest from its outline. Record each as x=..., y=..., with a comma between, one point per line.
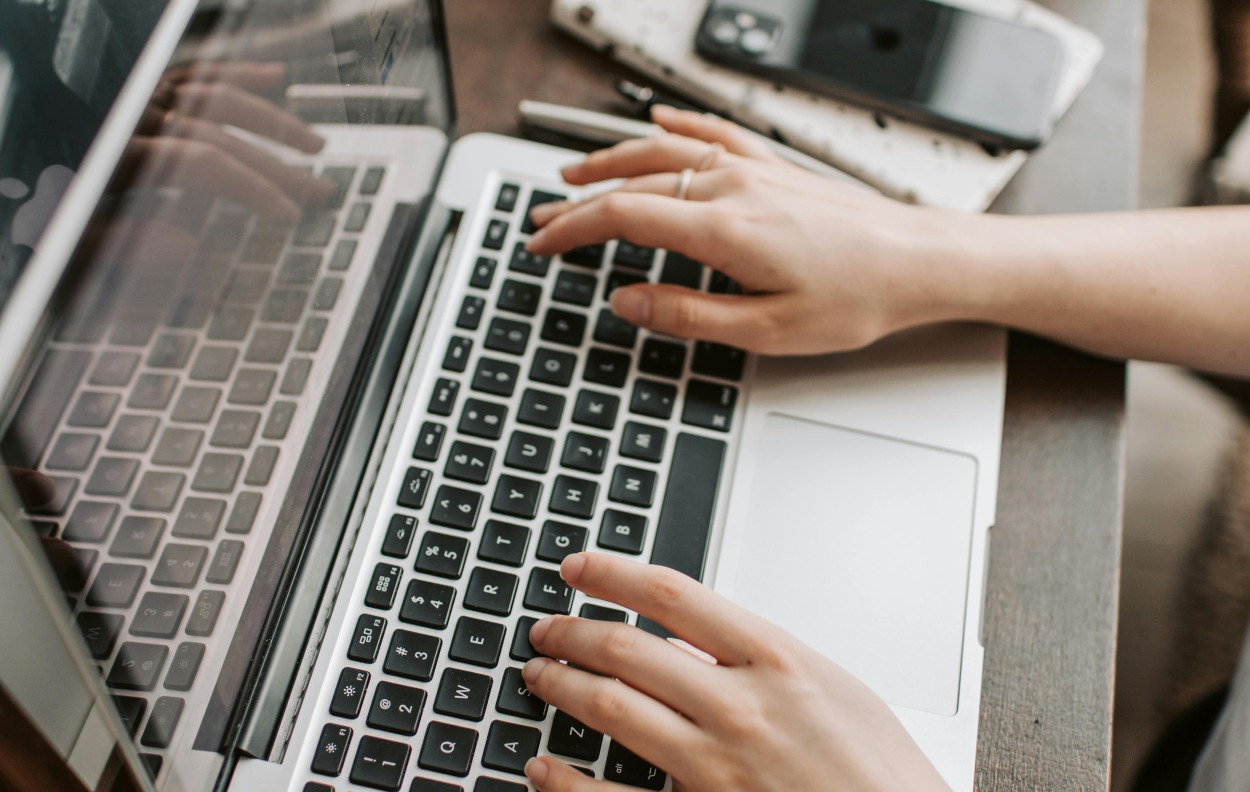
x=1171, y=285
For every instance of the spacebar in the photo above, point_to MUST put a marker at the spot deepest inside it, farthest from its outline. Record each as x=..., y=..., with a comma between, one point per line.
x=685, y=525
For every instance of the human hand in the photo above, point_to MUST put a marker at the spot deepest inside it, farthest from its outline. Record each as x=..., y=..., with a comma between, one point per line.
x=826, y=267
x=770, y=715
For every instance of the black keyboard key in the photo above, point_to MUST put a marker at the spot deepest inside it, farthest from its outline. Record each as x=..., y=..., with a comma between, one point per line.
x=157, y=491
x=574, y=497
x=469, y=462
x=483, y=273
x=234, y=429
x=114, y=369
x=528, y=263
x=622, y=531
x=427, y=604
x=496, y=377
x=341, y=176
x=509, y=746
x=564, y=327
x=574, y=739
x=477, y=642
x=496, y=232
x=91, y=521
x=159, y=615
x=508, y=195
x=633, y=486
x=457, y=357
x=718, y=360
x=162, y=722
x=559, y=540
x=243, y=516
x=456, y=508
x=199, y=518
x=505, y=335
x=205, y=612
x=463, y=694
x=653, y=399
x=137, y=666
x=399, y=532
x=443, y=399
x=483, y=419
x=380, y=764
x=640, y=441
x=552, y=367
x=709, y=405
x=349, y=693
x=519, y=297
x=177, y=447
x=625, y=767
x=429, y=441
x=538, y=198
x=448, y=749
x=357, y=217
x=574, y=288
x=313, y=786
x=225, y=563
x=384, y=587
x=603, y=613
x=522, y=649
x=100, y=631
x=487, y=784
x=115, y=586
x=618, y=279
x=541, y=409
x=548, y=593
x=412, y=655
x=137, y=537
x=112, y=476
x=596, y=409
x=184, y=666
x=516, y=699
x=94, y=409
x=585, y=452
x=131, y=709
x=270, y=345
x=471, y=311
x=681, y=271
x=504, y=543
x=180, y=565
x=442, y=555
x=662, y=358
x=396, y=708
x=217, y=473
x=372, y=180
x=634, y=256
x=606, y=368
x=367, y=638
x=133, y=433
x=72, y=452
x=231, y=323
x=416, y=488
x=430, y=785
x=517, y=497
x=490, y=591
x=252, y=387
x=332, y=748
x=685, y=523
x=299, y=268
x=721, y=283
x=530, y=452
x=63, y=489
x=214, y=364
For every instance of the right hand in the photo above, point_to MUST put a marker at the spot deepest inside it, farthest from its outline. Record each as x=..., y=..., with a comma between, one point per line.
x=826, y=267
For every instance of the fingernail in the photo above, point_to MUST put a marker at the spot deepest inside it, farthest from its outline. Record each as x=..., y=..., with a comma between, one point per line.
x=632, y=305
x=536, y=771
x=663, y=111
x=539, y=630
x=571, y=568
x=532, y=670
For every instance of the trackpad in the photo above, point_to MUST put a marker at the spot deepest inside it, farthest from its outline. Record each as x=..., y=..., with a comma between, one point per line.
x=859, y=545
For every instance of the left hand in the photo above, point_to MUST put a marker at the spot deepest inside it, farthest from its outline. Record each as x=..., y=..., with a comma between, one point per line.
x=771, y=715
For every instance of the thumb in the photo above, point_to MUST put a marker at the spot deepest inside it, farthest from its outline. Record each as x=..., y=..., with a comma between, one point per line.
x=741, y=321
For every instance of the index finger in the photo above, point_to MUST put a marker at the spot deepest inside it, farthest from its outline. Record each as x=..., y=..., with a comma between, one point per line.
x=688, y=609
x=229, y=104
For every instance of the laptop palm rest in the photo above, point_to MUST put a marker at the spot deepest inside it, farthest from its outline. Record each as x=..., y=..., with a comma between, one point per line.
x=859, y=545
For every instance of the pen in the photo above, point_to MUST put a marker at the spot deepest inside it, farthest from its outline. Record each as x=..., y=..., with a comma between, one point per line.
x=604, y=129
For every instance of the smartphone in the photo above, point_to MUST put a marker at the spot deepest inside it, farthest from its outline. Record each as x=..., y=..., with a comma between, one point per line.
x=956, y=70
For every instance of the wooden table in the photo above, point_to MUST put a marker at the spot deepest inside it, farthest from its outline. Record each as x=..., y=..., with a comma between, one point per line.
x=1055, y=551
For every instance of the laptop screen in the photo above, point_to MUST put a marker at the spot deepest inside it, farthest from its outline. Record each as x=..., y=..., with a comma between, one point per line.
x=198, y=368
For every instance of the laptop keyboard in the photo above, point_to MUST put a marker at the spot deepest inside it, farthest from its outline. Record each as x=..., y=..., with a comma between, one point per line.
x=551, y=427
x=165, y=425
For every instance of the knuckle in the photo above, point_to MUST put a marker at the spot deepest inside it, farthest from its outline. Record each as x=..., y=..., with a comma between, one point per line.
x=614, y=206
x=606, y=704
x=665, y=589
x=683, y=315
x=620, y=644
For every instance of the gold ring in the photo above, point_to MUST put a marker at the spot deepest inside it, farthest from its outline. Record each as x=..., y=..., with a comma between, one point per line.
x=710, y=158
x=683, y=184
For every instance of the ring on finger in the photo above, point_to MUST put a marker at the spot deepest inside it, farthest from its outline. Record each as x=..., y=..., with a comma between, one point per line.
x=709, y=159
x=683, y=183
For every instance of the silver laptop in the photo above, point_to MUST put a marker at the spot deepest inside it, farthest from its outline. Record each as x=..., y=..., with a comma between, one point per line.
x=305, y=432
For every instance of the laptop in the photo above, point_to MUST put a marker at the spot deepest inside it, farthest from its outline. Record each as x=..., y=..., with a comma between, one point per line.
x=300, y=432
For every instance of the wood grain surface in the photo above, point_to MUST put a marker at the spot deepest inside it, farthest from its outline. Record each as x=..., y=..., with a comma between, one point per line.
x=1052, y=595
